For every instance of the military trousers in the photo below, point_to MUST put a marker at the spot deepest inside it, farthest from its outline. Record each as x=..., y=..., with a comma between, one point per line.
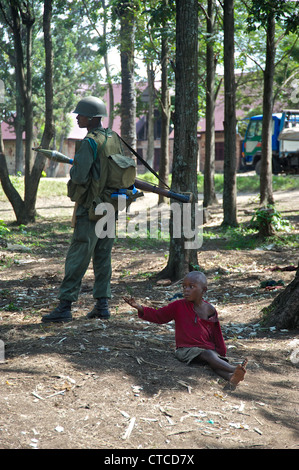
x=86, y=246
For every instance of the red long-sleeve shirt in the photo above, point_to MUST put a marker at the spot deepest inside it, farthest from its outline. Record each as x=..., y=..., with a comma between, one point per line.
x=190, y=330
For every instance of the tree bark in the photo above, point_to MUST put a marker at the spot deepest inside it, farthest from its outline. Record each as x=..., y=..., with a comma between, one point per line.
x=209, y=169
x=48, y=134
x=19, y=128
x=25, y=209
x=230, y=160
x=107, y=68
x=284, y=310
x=14, y=198
x=182, y=259
x=128, y=95
x=165, y=117
x=8, y=188
x=266, y=192
x=150, y=116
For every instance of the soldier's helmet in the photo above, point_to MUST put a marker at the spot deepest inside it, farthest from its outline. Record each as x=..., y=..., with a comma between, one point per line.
x=91, y=106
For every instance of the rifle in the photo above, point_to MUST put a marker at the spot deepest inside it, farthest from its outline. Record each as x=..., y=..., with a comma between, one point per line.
x=139, y=184
x=144, y=186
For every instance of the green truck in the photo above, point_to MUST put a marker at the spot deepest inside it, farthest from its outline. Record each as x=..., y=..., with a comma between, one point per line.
x=285, y=143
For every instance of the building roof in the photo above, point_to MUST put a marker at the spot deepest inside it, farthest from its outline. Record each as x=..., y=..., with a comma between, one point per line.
x=219, y=116
x=76, y=133
x=8, y=132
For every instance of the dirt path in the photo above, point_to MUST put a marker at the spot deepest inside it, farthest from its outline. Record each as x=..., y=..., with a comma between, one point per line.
x=116, y=384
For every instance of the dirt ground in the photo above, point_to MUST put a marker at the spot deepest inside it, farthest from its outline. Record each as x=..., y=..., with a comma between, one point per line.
x=110, y=385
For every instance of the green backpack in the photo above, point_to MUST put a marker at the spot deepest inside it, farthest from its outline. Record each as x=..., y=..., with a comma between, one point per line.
x=117, y=174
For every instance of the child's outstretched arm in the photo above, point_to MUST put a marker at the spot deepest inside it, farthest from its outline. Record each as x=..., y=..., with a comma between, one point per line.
x=131, y=301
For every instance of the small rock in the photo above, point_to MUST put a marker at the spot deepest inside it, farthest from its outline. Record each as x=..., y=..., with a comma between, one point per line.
x=11, y=247
x=164, y=282
x=59, y=429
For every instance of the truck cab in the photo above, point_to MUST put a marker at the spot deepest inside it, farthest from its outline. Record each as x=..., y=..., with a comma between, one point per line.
x=285, y=142
x=252, y=144
x=289, y=141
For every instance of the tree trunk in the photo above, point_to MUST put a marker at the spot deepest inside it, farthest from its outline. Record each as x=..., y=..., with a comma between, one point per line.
x=107, y=68
x=25, y=209
x=150, y=116
x=230, y=160
x=29, y=194
x=128, y=95
x=49, y=121
x=284, y=310
x=19, y=128
x=182, y=258
x=266, y=192
x=165, y=118
x=209, y=169
x=14, y=198
x=8, y=188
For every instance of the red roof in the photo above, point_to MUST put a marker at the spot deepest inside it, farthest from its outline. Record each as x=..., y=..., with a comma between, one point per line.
x=8, y=132
x=219, y=116
x=77, y=133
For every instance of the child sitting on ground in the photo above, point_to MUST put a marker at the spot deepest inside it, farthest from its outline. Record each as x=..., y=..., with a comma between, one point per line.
x=197, y=330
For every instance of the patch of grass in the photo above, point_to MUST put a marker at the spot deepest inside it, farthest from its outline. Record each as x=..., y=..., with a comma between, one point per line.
x=47, y=187
x=234, y=238
x=251, y=184
x=245, y=237
x=269, y=215
x=287, y=240
x=4, y=230
x=142, y=243
x=41, y=237
x=245, y=184
x=52, y=187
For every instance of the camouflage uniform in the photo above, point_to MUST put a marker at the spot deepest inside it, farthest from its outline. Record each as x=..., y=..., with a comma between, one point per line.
x=85, y=244
x=88, y=179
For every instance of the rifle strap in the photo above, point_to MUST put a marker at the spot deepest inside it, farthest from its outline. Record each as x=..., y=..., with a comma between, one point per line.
x=144, y=162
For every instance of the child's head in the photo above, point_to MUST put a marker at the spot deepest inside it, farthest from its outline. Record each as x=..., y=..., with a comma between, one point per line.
x=194, y=286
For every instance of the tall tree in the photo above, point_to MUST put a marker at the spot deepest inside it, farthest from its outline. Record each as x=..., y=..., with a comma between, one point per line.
x=94, y=16
x=266, y=191
x=185, y=154
x=266, y=13
x=126, y=11
x=150, y=115
x=164, y=106
x=12, y=112
x=21, y=18
x=160, y=17
x=48, y=133
x=230, y=121
x=283, y=312
x=209, y=168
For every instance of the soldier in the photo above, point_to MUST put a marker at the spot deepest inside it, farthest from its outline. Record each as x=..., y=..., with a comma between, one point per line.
x=85, y=244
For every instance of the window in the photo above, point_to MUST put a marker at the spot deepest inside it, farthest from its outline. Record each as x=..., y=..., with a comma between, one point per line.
x=255, y=129
x=219, y=151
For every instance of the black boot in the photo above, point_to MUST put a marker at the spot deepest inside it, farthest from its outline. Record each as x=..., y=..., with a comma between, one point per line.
x=62, y=313
x=100, y=310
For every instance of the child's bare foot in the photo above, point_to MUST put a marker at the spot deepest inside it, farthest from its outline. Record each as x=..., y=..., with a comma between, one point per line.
x=239, y=373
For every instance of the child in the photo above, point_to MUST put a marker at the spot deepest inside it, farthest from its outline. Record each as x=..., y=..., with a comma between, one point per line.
x=197, y=330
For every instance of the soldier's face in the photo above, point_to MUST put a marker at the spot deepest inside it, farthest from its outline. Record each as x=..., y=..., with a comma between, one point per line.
x=82, y=120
